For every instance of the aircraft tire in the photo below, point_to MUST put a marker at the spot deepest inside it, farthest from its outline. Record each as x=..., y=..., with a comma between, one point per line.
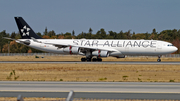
x=158, y=60
x=99, y=59
x=94, y=59
x=83, y=59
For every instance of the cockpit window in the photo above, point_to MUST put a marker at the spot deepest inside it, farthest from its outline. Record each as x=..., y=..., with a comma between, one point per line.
x=170, y=45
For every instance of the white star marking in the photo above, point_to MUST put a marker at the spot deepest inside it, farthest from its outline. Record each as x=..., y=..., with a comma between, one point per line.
x=25, y=31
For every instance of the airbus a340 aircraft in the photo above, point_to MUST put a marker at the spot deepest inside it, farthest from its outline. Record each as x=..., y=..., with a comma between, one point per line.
x=90, y=48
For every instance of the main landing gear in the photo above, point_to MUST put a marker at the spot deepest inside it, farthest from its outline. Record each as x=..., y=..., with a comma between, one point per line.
x=159, y=60
x=90, y=59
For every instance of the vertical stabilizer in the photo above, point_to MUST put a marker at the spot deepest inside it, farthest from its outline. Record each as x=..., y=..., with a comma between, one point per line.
x=25, y=30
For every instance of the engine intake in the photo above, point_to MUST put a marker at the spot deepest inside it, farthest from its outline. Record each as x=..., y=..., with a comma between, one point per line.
x=100, y=53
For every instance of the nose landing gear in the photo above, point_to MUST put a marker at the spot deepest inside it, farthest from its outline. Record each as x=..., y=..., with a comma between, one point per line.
x=159, y=60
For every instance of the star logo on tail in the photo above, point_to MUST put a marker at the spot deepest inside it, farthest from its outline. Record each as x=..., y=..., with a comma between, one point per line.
x=25, y=31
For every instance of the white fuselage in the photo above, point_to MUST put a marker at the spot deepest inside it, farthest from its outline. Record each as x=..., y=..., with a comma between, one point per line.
x=123, y=47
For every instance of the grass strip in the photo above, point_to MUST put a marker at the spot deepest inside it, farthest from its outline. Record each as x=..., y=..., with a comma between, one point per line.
x=90, y=72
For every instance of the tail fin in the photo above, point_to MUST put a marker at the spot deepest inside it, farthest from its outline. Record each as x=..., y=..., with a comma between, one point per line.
x=25, y=30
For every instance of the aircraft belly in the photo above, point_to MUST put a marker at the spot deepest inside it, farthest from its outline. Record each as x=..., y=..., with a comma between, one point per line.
x=139, y=51
x=47, y=48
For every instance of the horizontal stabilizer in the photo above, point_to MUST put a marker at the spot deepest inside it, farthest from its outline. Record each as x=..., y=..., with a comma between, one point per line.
x=9, y=38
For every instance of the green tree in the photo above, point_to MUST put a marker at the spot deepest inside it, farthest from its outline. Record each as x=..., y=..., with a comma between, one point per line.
x=46, y=31
x=120, y=35
x=128, y=34
x=51, y=33
x=18, y=36
x=13, y=35
x=90, y=33
x=88, y=36
x=101, y=34
x=134, y=35
x=39, y=34
x=2, y=40
x=154, y=34
x=81, y=35
x=73, y=33
x=147, y=35
x=112, y=35
x=67, y=35
x=90, y=30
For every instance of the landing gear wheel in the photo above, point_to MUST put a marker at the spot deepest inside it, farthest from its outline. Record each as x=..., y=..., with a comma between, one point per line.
x=83, y=59
x=158, y=60
x=99, y=59
x=94, y=59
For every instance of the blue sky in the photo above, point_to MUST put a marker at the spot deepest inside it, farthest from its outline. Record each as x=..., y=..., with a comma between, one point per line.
x=139, y=16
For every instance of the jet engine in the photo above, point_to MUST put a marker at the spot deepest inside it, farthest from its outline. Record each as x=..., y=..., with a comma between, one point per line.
x=100, y=53
x=71, y=50
x=117, y=54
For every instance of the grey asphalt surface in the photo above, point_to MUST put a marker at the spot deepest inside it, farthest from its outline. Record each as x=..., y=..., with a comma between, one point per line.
x=103, y=62
x=95, y=95
x=125, y=87
x=104, y=90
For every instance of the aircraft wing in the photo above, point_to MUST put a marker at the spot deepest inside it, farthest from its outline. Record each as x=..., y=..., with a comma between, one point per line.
x=95, y=48
x=63, y=45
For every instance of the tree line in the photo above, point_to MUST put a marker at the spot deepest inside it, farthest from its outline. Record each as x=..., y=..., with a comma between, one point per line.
x=172, y=36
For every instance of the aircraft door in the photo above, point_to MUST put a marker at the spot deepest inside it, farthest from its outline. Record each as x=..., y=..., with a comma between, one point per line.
x=159, y=46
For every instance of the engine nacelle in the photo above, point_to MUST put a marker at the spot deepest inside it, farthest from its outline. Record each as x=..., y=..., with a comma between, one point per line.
x=100, y=53
x=71, y=50
x=117, y=54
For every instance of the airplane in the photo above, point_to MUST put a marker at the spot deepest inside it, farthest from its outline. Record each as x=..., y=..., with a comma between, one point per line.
x=93, y=49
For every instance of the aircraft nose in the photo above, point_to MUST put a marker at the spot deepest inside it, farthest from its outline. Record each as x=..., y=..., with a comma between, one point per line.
x=175, y=49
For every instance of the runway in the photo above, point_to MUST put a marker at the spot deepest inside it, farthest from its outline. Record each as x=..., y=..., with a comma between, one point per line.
x=105, y=62
x=105, y=90
x=95, y=95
